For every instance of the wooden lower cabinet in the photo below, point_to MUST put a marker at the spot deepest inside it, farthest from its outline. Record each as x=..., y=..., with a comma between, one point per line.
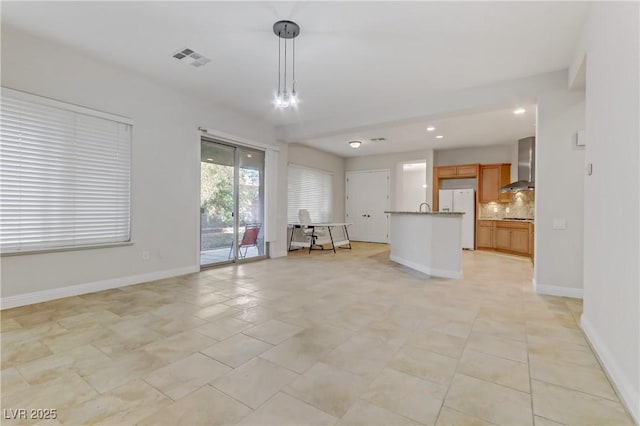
x=503, y=238
x=520, y=241
x=485, y=234
x=506, y=236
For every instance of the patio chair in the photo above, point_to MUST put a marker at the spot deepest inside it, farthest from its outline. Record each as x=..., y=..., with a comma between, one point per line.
x=249, y=239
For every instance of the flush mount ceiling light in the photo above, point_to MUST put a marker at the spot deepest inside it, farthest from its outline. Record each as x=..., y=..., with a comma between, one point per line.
x=286, y=30
x=430, y=129
x=355, y=144
x=519, y=111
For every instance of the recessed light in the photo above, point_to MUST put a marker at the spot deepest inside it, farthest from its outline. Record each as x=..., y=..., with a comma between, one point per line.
x=439, y=137
x=249, y=155
x=355, y=144
x=519, y=111
x=424, y=185
x=209, y=159
x=430, y=129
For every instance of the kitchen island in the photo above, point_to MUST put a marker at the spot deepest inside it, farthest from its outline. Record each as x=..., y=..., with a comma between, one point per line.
x=429, y=242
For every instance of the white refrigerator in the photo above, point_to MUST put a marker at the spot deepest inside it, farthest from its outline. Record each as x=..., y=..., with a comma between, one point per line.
x=461, y=200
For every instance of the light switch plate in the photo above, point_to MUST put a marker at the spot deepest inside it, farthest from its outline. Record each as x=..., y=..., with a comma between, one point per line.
x=559, y=223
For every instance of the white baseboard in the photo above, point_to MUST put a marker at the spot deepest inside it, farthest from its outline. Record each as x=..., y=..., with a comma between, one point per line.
x=274, y=254
x=443, y=273
x=556, y=290
x=630, y=396
x=75, y=290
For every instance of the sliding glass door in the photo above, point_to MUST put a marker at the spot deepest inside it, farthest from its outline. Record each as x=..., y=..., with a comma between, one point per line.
x=250, y=236
x=231, y=204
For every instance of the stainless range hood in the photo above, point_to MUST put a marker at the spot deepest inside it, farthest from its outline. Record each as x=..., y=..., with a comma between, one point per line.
x=526, y=167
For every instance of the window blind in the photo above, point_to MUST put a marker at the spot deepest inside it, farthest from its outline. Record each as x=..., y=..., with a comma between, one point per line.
x=309, y=189
x=64, y=175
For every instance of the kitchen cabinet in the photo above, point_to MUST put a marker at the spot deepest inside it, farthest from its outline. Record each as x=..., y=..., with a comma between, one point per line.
x=485, y=233
x=460, y=171
x=492, y=178
x=506, y=236
x=445, y=172
x=503, y=238
x=440, y=173
x=514, y=237
x=467, y=171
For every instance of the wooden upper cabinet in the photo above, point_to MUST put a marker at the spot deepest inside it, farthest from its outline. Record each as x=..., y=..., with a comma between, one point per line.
x=446, y=171
x=461, y=171
x=492, y=178
x=468, y=170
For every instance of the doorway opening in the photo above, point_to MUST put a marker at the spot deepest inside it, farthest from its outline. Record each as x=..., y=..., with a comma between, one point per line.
x=411, y=185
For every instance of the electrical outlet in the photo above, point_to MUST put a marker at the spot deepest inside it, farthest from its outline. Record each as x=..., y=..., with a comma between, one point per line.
x=146, y=255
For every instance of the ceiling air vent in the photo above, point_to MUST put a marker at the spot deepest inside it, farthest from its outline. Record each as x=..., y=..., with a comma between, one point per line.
x=188, y=56
x=378, y=139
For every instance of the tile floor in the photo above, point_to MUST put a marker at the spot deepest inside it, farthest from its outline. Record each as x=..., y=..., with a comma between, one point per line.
x=317, y=338
x=210, y=257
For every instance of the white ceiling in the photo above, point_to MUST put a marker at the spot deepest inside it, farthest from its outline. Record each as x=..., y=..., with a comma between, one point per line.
x=349, y=54
x=494, y=127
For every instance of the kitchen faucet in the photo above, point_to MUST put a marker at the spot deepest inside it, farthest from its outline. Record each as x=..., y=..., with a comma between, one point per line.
x=424, y=204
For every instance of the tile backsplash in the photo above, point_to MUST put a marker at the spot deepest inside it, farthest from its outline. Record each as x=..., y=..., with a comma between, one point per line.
x=521, y=205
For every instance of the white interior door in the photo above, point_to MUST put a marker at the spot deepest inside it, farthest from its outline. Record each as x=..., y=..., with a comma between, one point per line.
x=367, y=199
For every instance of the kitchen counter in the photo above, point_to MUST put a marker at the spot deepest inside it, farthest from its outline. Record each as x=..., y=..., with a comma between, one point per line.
x=508, y=220
x=429, y=242
x=428, y=213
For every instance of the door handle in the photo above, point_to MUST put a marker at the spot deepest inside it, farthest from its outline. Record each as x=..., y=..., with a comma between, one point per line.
x=364, y=215
x=368, y=215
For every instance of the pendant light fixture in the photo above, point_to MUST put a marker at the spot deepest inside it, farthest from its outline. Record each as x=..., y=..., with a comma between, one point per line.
x=286, y=31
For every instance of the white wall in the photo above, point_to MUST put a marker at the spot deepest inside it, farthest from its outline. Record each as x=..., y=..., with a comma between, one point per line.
x=310, y=157
x=481, y=154
x=166, y=151
x=559, y=194
x=392, y=162
x=611, y=239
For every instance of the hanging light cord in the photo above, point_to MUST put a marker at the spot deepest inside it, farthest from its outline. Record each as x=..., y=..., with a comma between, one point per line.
x=279, y=61
x=285, y=58
x=294, y=62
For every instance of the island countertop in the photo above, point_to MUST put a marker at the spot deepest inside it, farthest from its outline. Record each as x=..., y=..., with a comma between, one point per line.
x=428, y=213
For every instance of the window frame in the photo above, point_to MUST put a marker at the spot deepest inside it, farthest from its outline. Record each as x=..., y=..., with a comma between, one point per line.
x=54, y=103
x=330, y=174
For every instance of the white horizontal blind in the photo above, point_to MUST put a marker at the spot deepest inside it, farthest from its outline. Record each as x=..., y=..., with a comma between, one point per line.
x=64, y=175
x=310, y=189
